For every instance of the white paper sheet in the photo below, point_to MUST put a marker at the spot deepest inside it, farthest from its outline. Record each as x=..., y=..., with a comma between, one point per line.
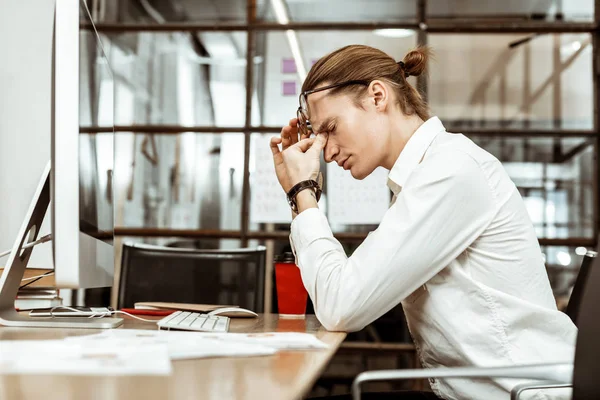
x=351, y=201
x=181, y=345
x=275, y=340
x=65, y=357
x=268, y=203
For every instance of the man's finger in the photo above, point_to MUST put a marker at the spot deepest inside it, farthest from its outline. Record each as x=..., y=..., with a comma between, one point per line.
x=319, y=143
x=305, y=144
x=275, y=141
x=294, y=130
x=286, y=136
x=305, y=136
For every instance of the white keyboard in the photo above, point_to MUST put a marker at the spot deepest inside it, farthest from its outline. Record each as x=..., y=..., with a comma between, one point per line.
x=190, y=321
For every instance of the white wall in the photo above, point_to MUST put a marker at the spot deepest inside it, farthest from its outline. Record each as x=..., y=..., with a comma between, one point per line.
x=25, y=72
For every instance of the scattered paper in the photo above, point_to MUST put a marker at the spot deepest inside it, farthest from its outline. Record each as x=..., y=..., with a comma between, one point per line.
x=187, y=345
x=180, y=345
x=275, y=340
x=64, y=357
x=356, y=202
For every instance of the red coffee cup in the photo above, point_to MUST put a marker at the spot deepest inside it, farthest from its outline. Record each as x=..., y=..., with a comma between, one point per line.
x=291, y=294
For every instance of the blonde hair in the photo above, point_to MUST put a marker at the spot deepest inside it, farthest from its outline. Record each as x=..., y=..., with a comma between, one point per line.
x=359, y=62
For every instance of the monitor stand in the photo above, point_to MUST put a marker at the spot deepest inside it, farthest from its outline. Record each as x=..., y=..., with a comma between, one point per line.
x=17, y=262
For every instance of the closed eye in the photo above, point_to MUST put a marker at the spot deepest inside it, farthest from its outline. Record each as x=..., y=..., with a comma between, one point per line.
x=328, y=126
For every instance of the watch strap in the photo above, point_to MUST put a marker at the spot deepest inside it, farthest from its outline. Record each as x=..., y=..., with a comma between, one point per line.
x=300, y=186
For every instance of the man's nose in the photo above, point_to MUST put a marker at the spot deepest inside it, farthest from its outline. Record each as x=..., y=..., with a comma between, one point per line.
x=330, y=152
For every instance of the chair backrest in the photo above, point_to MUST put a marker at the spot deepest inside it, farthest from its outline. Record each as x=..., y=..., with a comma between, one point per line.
x=579, y=287
x=200, y=276
x=195, y=244
x=586, y=384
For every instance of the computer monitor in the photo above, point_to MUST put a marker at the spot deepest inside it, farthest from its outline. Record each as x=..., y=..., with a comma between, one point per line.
x=77, y=184
x=82, y=165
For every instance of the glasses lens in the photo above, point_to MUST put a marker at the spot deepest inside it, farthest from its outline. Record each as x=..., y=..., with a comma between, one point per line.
x=301, y=122
x=304, y=105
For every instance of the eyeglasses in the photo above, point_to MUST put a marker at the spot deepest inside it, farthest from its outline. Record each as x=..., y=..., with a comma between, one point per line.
x=304, y=125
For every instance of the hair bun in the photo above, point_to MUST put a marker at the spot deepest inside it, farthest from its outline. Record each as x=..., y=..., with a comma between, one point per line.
x=415, y=62
x=403, y=68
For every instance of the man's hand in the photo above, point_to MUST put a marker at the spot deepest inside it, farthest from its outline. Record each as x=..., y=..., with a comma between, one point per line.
x=289, y=134
x=299, y=158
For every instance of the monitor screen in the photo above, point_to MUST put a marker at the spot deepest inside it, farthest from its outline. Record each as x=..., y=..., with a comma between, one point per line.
x=82, y=163
x=96, y=151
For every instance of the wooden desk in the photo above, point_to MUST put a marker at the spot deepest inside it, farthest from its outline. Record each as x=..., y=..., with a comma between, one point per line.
x=285, y=375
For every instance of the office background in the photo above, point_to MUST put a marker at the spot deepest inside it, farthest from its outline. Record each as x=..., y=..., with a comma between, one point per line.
x=188, y=105
x=196, y=81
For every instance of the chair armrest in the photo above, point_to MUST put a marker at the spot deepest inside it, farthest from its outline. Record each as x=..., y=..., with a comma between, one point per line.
x=557, y=372
x=515, y=393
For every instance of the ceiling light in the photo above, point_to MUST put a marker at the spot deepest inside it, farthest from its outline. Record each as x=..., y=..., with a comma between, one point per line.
x=280, y=12
x=394, y=33
x=570, y=48
x=296, y=53
x=563, y=258
x=283, y=18
x=581, y=251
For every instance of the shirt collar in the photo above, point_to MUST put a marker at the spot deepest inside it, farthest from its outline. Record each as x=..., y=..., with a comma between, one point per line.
x=413, y=152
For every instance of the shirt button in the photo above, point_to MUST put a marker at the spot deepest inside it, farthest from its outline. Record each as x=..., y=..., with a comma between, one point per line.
x=432, y=380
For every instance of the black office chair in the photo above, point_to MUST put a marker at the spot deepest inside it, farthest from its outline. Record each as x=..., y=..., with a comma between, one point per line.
x=578, y=289
x=581, y=374
x=586, y=384
x=200, y=276
x=206, y=244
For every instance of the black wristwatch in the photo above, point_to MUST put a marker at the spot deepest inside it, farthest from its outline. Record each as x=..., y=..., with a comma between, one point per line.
x=308, y=184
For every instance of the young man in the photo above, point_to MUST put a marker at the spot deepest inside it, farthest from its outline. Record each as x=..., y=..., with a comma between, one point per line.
x=456, y=247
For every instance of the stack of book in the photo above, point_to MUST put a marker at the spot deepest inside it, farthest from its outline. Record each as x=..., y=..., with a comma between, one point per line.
x=34, y=297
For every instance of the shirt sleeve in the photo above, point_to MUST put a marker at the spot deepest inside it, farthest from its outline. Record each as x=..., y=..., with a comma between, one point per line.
x=445, y=205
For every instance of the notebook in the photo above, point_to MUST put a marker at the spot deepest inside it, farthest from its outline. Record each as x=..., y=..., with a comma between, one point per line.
x=199, y=308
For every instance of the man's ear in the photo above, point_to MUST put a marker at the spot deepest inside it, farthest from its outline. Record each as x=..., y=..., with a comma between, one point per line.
x=379, y=95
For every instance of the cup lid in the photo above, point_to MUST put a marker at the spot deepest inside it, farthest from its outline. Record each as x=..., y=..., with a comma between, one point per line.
x=287, y=257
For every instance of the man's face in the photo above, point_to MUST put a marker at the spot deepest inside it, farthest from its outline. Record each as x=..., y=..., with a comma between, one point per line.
x=354, y=133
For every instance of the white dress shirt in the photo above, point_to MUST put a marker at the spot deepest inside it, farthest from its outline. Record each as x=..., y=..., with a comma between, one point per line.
x=458, y=250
